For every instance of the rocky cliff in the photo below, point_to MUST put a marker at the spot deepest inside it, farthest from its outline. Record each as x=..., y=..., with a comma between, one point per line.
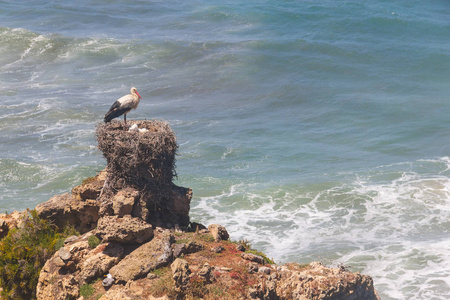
x=137, y=241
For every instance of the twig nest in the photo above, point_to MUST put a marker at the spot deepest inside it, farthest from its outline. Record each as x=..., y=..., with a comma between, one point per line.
x=141, y=166
x=139, y=156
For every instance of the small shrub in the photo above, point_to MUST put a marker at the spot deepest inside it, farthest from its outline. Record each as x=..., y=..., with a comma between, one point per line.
x=23, y=253
x=87, y=290
x=69, y=230
x=160, y=272
x=247, y=245
x=207, y=238
x=59, y=244
x=93, y=241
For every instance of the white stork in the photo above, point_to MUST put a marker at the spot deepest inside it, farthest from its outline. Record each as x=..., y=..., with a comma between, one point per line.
x=123, y=106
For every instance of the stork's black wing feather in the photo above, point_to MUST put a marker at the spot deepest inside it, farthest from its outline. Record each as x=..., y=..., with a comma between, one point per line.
x=115, y=111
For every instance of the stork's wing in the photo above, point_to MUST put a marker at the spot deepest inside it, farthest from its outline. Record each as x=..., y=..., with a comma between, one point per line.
x=120, y=107
x=116, y=110
x=114, y=106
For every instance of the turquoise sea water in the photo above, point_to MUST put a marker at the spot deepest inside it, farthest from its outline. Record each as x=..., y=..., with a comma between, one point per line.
x=318, y=130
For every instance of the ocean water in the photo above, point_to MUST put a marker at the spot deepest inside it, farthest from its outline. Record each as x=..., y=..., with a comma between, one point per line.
x=317, y=130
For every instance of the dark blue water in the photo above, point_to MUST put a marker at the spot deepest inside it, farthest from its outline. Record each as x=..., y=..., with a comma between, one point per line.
x=317, y=130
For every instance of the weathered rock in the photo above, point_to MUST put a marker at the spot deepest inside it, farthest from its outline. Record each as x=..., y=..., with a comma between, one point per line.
x=188, y=248
x=239, y=247
x=57, y=209
x=86, y=214
x=319, y=282
x=87, y=191
x=206, y=273
x=252, y=268
x=78, y=250
x=10, y=221
x=197, y=227
x=135, y=290
x=182, y=202
x=65, y=210
x=178, y=250
x=116, y=295
x=265, y=290
x=265, y=270
x=59, y=278
x=70, y=239
x=192, y=247
x=62, y=287
x=147, y=257
x=100, y=260
x=59, y=262
x=4, y=228
x=180, y=274
x=124, y=201
x=252, y=257
x=218, y=232
x=217, y=249
x=125, y=230
x=64, y=254
x=78, y=209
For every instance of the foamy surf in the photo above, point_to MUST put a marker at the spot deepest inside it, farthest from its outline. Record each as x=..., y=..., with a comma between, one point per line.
x=390, y=222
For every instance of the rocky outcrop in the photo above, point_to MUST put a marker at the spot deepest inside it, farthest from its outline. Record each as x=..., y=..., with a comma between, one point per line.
x=100, y=261
x=316, y=281
x=186, y=248
x=10, y=221
x=125, y=230
x=151, y=271
x=124, y=201
x=58, y=278
x=150, y=256
x=218, y=232
x=180, y=274
x=148, y=247
x=76, y=209
x=83, y=213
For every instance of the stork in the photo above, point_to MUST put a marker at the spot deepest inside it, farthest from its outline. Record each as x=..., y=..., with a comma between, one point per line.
x=123, y=106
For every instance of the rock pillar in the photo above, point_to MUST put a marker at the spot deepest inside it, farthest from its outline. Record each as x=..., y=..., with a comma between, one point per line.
x=140, y=169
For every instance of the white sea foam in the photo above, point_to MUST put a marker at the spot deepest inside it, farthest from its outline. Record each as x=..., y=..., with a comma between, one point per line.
x=392, y=230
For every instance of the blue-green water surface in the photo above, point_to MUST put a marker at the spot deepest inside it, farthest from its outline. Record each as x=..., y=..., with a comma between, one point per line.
x=318, y=130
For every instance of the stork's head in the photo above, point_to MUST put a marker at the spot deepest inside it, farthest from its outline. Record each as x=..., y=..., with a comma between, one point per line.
x=134, y=91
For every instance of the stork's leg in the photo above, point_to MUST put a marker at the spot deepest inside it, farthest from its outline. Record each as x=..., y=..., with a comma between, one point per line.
x=125, y=120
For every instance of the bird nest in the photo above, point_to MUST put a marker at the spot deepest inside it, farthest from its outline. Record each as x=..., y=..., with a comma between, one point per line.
x=143, y=158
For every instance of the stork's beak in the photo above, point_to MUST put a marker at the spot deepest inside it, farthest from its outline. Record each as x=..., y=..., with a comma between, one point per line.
x=138, y=95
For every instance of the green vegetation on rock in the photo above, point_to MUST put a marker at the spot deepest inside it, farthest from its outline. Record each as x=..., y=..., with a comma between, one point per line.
x=93, y=241
x=87, y=290
x=23, y=253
